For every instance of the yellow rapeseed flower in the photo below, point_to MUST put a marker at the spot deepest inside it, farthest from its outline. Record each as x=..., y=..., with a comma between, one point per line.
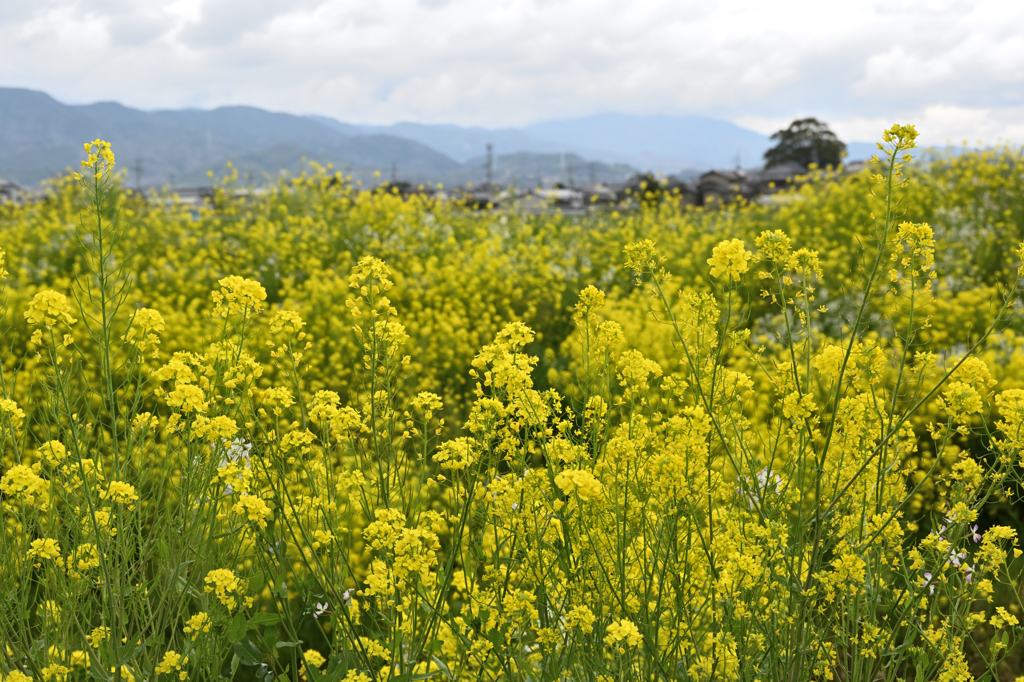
x=172, y=664
x=44, y=549
x=10, y=410
x=227, y=587
x=254, y=509
x=47, y=308
x=98, y=636
x=100, y=159
x=23, y=484
x=624, y=631
x=581, y=482
x=729, y=260
x=197, y=624
x=119, y=492
x=457, y=454
x=238, y=296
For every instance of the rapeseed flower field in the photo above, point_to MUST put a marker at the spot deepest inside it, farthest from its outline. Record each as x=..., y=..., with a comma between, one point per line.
x=333, y=434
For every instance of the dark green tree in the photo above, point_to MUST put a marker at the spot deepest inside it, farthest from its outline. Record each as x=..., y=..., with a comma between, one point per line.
x=805, y=141
x=645, y=188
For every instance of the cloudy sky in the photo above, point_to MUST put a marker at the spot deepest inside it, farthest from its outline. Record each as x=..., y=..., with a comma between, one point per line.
x=954, y=68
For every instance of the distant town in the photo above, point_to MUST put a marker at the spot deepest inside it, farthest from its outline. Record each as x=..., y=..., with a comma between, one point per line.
x=563, y=194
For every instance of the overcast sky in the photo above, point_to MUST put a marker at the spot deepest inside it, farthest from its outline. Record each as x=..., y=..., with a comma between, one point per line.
x=956, y=69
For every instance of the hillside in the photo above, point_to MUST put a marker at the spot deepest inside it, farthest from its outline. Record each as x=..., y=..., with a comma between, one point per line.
x=39, y=137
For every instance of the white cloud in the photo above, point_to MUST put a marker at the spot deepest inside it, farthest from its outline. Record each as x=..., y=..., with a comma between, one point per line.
x=940, y=125
x=955, y=66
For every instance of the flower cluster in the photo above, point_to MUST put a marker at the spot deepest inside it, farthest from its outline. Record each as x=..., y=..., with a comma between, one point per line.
x=666, y=477
x=238, y=296
x=729, y=260
x=99, y=160
x=229, y=589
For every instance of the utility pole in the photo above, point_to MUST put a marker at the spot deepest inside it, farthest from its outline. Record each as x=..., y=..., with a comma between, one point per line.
x=138, y=174
x=489, y=168
x=394, y=172
x=569, y=173
x=593, y=174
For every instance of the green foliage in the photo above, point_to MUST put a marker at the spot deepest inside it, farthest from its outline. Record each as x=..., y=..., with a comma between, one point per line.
x=806, y=141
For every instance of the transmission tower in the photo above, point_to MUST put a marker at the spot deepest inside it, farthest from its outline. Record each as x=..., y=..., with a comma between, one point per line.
x=489, y=168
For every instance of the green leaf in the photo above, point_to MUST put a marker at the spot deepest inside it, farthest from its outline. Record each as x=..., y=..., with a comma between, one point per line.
x=337, y=667
x=313, y=674
x=285, y=645
x=443, y=666
x=266, y=619
x=270, y=635
x=248, y=653
x=497, y=638
x=257, y=581
x=236, y=628
x=95, y=672
x=179, y=579
x=235, y=660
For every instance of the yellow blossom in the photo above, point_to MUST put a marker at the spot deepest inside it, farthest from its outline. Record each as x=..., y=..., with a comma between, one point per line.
x=98, y=636
x=47, y=308
x=172, y=664
x=729, y=260
x=44, y=549
x=197, y=624
x=238, y=296
x=581, y=482
x=119, y=492
x=23, y=484
x=254, y=509
x=227, y=587
x=624, y=631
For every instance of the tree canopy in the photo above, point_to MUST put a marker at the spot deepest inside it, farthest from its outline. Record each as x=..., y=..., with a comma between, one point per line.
x=805, y=141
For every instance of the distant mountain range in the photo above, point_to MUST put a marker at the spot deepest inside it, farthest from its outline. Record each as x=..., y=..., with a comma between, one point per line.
x=40, y=137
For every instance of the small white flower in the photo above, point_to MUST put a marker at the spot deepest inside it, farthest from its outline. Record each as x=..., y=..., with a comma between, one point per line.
x=764, y=478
